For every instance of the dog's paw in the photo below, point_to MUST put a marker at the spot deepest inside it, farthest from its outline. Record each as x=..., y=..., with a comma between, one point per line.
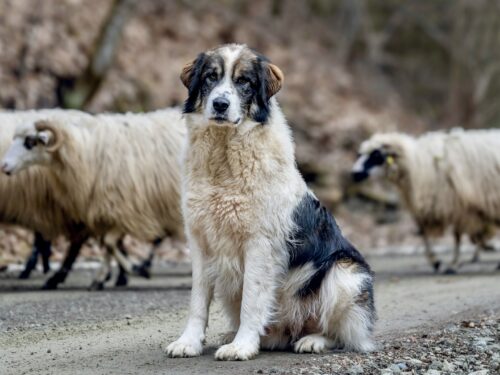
x=313, y=344
x=184, y=349
x=236, y=352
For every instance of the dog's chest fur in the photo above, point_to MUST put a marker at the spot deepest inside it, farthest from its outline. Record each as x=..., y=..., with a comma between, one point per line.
x=235, y=185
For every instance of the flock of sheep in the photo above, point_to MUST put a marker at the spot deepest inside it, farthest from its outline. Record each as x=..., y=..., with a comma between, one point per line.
x=108, y=175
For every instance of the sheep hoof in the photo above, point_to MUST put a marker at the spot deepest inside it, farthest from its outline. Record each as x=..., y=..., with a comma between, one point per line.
x=96, y=285
x=141, y=271
x=49, y=286
x=450, y=271
x=489, y=248
x=24, y=275
x=146, y=264
x=46, y=266
x=436, y=265
x=54, y=281
x=121, y=280
x=108, y=277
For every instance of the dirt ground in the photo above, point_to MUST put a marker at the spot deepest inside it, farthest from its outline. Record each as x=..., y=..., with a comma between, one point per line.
x=429, y=324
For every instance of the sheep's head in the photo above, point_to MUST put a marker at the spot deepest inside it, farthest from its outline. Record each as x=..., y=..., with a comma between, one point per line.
x=379, y=155
x=33, y=144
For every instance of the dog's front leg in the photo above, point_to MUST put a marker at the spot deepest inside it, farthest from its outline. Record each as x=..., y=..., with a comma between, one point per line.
x=190, y=344
x=257, y=302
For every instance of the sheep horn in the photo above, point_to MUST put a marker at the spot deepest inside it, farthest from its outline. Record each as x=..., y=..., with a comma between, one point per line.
x=42, y=125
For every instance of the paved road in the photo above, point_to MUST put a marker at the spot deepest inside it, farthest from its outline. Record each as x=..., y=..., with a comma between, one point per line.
x=122, y=331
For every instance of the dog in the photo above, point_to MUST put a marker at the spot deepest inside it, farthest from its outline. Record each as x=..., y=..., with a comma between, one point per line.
x=260, y=240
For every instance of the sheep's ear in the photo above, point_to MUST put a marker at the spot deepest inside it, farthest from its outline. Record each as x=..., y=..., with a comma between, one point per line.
x=49, y=135
x=274, y=79
x=45, y=137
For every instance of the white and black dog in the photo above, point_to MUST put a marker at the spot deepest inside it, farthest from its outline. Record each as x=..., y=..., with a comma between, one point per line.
x=260, y=240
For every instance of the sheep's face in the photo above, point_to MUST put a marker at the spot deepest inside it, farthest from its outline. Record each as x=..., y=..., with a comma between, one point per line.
x=230, y=85
x=29, y=147
x=374, y=159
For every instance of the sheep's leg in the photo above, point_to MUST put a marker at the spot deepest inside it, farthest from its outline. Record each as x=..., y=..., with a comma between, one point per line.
x=452, y=268
x=144, y=269
x=104, y=272
x=122, y=279
x=115, y=244
x=477, y=251
x=77, y=242
x=488, y=247
x=30, y=263
x=40, y=247
x=123, y=262
x=481, y=245
x=46, y=251
x=148, y=263
x=431, y=257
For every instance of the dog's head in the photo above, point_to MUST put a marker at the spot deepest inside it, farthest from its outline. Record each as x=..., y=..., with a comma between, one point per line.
x=231, y=84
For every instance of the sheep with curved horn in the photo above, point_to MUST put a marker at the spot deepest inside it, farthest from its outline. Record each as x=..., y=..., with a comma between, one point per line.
x=117, y=173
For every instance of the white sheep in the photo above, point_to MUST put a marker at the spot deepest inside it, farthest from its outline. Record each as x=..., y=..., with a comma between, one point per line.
x=26, y=199
x=116, y=173
x=441, y=177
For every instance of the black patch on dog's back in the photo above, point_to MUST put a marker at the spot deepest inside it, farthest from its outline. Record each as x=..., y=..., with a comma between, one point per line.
x=317, y=239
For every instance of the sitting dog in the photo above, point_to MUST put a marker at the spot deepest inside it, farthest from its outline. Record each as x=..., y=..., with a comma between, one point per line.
x=260, y=240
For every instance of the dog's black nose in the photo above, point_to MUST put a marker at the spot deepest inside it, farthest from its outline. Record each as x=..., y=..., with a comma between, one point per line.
x=221, y=105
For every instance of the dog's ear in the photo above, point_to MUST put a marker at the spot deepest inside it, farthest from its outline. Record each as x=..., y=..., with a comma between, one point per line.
x=269, y=82
x=191, y=78
x=186, y=73
x=274, y=79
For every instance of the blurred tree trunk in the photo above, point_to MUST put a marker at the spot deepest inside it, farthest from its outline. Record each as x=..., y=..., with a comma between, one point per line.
x=475, y=64
x=349, y=21
x=77, y=92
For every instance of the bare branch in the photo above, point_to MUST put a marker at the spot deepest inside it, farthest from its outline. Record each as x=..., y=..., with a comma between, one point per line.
x=78, y=93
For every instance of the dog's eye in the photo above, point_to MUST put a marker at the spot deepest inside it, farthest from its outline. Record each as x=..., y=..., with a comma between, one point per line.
x=242, y=81
x=212, y=77
x=29, y=143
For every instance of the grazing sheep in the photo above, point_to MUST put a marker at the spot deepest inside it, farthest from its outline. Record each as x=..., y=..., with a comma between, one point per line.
x=27, y=199
x=116, y=173
x=441, y=177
